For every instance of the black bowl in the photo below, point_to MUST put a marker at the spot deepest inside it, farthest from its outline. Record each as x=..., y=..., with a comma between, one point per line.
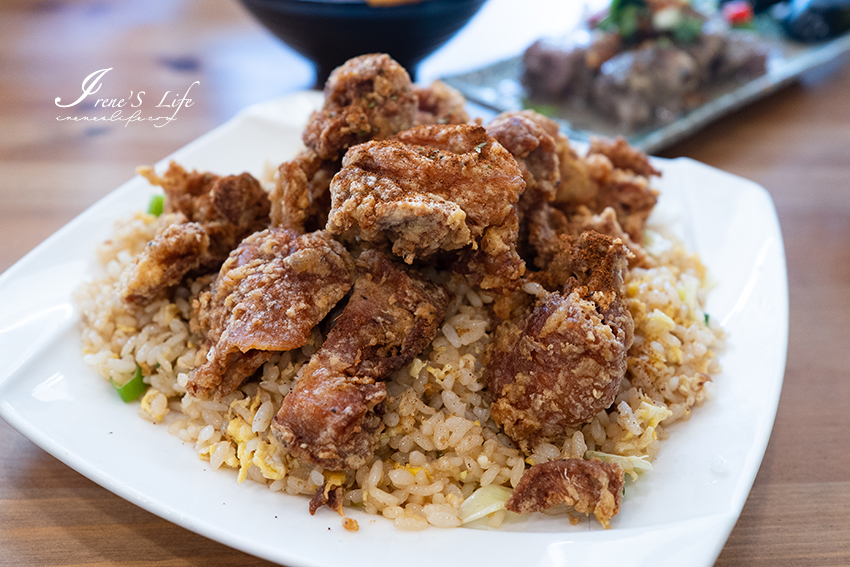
x=331, y=32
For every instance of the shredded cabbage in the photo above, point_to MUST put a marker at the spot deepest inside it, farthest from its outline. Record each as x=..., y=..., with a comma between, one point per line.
x=483, y=502
x=688, y=294
x=654, y=243
x=631, y=465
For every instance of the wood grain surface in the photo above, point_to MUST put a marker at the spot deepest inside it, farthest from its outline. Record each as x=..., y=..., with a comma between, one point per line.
x=795, y=143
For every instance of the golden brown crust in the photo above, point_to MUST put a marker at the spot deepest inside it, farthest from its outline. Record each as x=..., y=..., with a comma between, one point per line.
x=531, y=138
x=588, y=486
x=238, y=207
x=270, y=293
x=329, y=418
x=224, y=209
x=229, y=208
x=576, y=187
x=330, y=495
x=392, y=315
x=612, y=174
x=623, y=156
x=606, y=223
x=368, y=98
x=440, y=104
x=627, y=193
x=433, y=188
x=165, y=260
x=301, y=198
x=564, y=360
x=182, y=188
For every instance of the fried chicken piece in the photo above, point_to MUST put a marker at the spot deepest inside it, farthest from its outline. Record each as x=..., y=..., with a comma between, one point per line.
x=329, y=418
x=229, y=208
x=270, y=293
x=531, y=139
x=301, y=198
x=367, y=98
x=224, y=209
x=440, y=104
x=330, y=495
x=182, y=188
x=393, y=314
x=495, y=264
x=623, y=156
x=577, y=187
x=588, y=486
x=563, y=362
x=165, y=260
x=433, y=188
x=627, y=193
x=548, y=229
x=613, y=174
x=606, y=223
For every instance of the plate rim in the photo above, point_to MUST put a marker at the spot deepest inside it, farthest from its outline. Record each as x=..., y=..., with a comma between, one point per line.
x=723, y=522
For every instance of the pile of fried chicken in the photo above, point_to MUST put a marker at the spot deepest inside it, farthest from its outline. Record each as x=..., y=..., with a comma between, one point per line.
x=399, y=175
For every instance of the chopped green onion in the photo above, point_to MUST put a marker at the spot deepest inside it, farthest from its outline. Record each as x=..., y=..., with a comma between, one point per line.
x=628, y=21
x=549, y=110
x=133, y=389
x=479, y=146
x=706, y=318
x=156, y=204
x=688, y=30
x=607, y=24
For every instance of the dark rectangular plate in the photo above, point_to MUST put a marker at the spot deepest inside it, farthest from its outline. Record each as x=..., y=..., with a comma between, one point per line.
x=499, y=87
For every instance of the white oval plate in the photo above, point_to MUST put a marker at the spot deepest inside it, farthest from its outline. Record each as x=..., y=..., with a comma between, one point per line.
x=679, y=514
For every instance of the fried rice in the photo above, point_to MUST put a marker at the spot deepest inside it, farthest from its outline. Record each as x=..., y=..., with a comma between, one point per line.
x=440, y=444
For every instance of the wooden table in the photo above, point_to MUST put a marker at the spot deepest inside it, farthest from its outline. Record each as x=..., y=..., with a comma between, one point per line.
x=795, y=143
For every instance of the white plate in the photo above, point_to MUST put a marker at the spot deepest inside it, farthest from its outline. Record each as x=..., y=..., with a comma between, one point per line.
x=679, y=514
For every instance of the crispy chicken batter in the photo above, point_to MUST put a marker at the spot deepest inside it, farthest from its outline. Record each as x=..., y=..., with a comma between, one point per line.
x=218, y=212
x=548, y=232
x=434, y=188
x=329, y=418
x=531, y=139
x=613, y=174
x=606, y=223
x=563, y=362
x=301, y=198
x=588, y=486
x=165, y=260
x=367, y=98
x=229, y=208
x=440, y=104
x=270, y=293
x=577, y=187
x=628, y=194
x=623, y=156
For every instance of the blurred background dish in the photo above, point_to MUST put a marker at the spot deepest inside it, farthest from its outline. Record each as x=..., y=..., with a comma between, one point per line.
x=502, y=86
x=331, y=32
